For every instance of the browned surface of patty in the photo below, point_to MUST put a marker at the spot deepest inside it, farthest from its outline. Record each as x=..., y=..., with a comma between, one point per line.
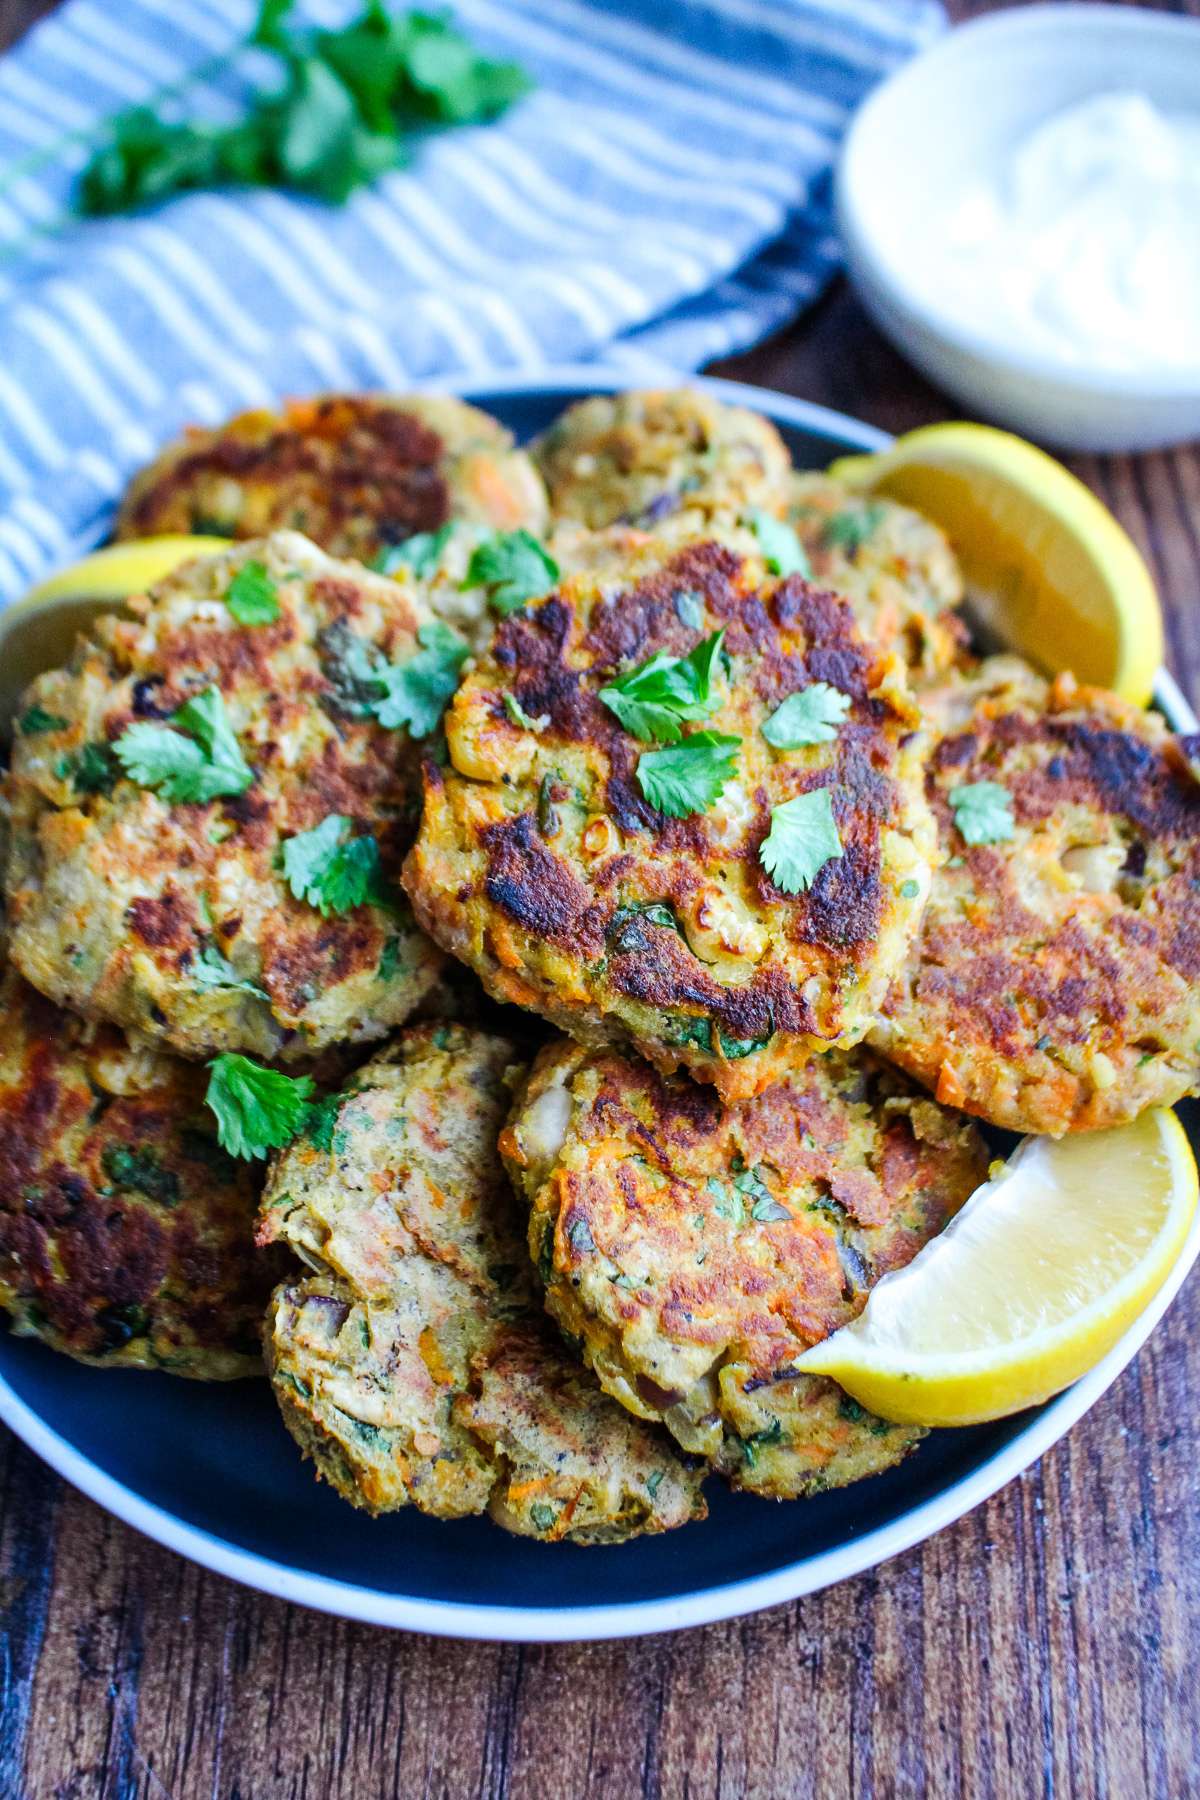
x=354, y=472
x=697, y=1249
x=539, y=855
x=1055, y=984
x=125, y=1231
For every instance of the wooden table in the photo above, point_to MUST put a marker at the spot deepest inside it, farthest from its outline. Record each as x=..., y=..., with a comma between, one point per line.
x=1045, y=1645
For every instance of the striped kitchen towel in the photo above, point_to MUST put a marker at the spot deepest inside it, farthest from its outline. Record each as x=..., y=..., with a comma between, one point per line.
x=661, y=198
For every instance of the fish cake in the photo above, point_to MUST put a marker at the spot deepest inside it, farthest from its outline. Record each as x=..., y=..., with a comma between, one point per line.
x=415, y=1364
x=661, y=458
x=895, y=567
x=354, y=472
x=126, y=1233
x=176, y=916
x=697, y=1249
x=542, y=864
x=1055, y=983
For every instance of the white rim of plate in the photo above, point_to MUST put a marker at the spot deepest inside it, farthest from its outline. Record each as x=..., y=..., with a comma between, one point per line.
x=634, y=1618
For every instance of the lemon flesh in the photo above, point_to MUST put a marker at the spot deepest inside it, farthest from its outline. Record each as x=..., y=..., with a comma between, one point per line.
x=38, y=632
x=1049, y=572
x=1030, y=1285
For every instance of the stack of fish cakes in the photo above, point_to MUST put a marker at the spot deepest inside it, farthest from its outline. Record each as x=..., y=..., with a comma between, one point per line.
x=692, y=804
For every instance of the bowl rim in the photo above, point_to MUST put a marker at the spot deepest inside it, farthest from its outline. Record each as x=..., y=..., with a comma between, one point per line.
x=572, y=1624
x=895, y=287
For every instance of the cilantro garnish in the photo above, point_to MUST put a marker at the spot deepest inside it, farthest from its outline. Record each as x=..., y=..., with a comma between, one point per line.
x=802, y=839
x=421, y=552
x=652, y=699
x=513, y=567
x=196, y=768
x=94, y=770
x=983, y=812
x=350, y=101
x=212, y=970
x=332, y=870
x=849, y=530
x=37, y=720
x=810, y=717
x=416, y=691
x=689, y=777
x=257, y=1110
x=521, y=718
x=252, y=596
x=781, y=549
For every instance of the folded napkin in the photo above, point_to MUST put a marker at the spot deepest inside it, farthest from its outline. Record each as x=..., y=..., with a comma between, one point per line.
x=661, y=198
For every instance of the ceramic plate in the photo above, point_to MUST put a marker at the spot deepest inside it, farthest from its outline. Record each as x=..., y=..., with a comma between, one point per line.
x=210, y=1471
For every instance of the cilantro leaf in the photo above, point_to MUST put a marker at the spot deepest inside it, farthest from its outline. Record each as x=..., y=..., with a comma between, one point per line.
x=94, y=770
x=652, y=699
x=689, y=777
x=37, y=720
x=513, y=567
x=416, y=692
x=521, y=718
x=257, y=1110
x=212, y=970
x=421, y=552
x=802, y=839
x=811, y=716
x=252, y=596
x=782, y=550
x=849, y=530
x=983, y=812
x=197, y=768
x=332, y=870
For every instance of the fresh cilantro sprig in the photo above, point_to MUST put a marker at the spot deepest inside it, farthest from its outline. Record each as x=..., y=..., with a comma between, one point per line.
x=513, y=567
x=983, y=812
x=652, y=699
x=417, y=691
x=252, y=596
x=689, y=777
x=782, y=550
x=332, y=870
x=198, y=767
x=802, y=839
x=811, y=716
x=212, y=970
x=257, y=1110
x=422, y=552
x=347, y=107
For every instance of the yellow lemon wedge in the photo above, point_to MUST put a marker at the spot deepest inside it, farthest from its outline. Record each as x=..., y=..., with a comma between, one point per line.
x=1049, y=571
x=1030, y=1285
x=38, y=631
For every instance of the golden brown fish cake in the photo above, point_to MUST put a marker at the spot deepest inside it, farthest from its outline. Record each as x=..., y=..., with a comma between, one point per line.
x=176, y=917
x=126, y=1233
x=416, y=1365
x=1055, y=983
x=895, y=567
x=697, y=1249
x=353, y=472
x=661, y=457
x=542, y=865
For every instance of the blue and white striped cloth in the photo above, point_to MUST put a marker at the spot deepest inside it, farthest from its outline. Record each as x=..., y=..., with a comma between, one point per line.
x=662, y=197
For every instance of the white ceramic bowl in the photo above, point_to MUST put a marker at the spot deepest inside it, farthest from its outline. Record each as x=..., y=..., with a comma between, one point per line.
x=956, y=109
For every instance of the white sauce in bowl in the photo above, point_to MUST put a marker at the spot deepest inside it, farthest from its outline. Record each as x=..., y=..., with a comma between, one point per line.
x=1085, y=245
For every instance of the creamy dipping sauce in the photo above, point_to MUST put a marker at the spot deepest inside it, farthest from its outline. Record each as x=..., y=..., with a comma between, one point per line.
x=1085, y=244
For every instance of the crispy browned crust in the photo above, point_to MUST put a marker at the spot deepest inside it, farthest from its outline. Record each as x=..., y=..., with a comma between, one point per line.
x=354, y=472
x=538, y=853
x=697, y=1249
x=1029, y=999
x=114, y=893
x=125, y=1232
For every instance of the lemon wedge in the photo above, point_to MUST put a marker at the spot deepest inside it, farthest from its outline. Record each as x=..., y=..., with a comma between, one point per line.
x=1049, y=571
x=1030, y=1285
x=39, y=631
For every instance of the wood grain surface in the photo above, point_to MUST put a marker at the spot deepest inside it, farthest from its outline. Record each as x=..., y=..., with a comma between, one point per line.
x=1046, y=1645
